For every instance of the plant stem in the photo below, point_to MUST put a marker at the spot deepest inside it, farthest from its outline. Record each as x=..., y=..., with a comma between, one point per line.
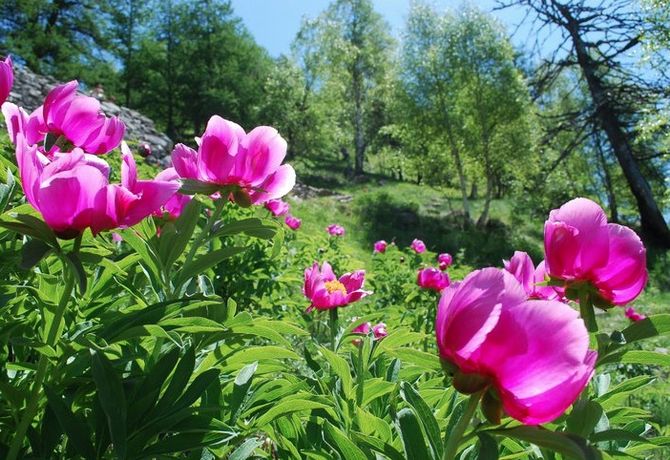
x=456, y=436
x=586, y=310
x=360, y=378
x=333, y=327
x=35, y=393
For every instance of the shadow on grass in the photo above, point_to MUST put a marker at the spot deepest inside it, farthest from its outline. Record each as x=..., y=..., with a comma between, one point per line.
x=385, y=218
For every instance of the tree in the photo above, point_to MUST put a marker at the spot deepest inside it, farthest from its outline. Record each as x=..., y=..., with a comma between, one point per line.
x=600, y=38
x=353, y=42
x=465, y=93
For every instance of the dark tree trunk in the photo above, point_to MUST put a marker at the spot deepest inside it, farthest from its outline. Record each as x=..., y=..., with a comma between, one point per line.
x=611, y=196
x=473, y=191
x=654, y=227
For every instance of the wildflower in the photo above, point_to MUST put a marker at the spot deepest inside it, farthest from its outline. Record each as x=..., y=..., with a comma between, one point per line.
x=634, y=316
x=326, y=291
x=444, y=260
x=530, y=356
x=292, y=222
x=277, y=207
x=432, y=278
x=418, y=246
x=580, y=246
x=335, y=230
x=380, y=246
x=522, y=268
x=247, y=163
x=6, y=78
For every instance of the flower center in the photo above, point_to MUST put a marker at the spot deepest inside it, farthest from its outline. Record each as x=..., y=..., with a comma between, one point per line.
x=334, y=285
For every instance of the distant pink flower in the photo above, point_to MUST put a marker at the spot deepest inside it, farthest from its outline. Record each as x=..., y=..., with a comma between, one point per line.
x=444, y=260
x=634, y=316
x=380, y=246
x=292, y=222
x=116, y=237
x=580, y=245
x=522, y=268
x=335, y=230
x=72, y=192
x=277, y=207
x=326, y=291
x=363, y=328
x=227, y=156
x=6, y=78
x=379, y=331
x=532, y=353
x=432, y=278
x=176, y=204
x=418, y=246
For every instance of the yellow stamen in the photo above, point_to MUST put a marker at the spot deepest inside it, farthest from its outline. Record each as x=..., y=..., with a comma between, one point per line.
x=335, y=285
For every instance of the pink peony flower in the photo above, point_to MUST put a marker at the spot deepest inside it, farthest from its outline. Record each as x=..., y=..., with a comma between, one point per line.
x=32, y=126
x=227, y=156
x=277, y=207
x=335, y=230
x=380, y=246
x=532, y=353
x=292, y=222
x=521, y=266
x=418, y=246
x=634, y=316
x=176, y=204
x=116, y=237
x=6, y=78
x=444, y=260
x=432, y=278
x=379, y=331
x=581, y=246
x=73, y=193
x=326, y=291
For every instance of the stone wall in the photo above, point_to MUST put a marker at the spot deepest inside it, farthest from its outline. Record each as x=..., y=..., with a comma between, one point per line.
x=30, y=90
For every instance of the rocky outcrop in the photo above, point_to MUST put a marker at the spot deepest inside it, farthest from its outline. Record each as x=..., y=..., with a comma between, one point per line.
x=30, y=89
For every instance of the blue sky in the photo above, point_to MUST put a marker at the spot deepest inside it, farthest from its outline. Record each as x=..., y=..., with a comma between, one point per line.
x=274, y=23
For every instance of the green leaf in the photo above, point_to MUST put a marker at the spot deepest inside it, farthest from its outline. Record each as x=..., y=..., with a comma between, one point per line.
x=636, y=357
x=288, y=407
x=246, y=449
x=145, y=251
x=649, y=327
x=112, y=399
x=241, y=390
x=570, y=446
x=340, y=367
x=584, y=417
x=205, y=262
x=171, y=248
x=426, y=361
x=74, y=427
x=425, y=416
x=378, y=445
x=412, y=436
x=488, y=447
x=42, y=230
x=341, y=442
x=180, y=378
x=251, y=226
x=78, y=272
x=617, y=435
x=32, y=252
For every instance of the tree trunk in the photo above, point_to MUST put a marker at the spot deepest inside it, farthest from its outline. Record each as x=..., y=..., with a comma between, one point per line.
x=359, y=141
x=609, y=187
x=654, y=227
x=473, y=190
x=484, y=217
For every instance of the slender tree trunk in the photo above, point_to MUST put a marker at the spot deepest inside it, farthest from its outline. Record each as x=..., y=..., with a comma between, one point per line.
x=461, y=178
x=129, y=51
x=653, y=224
x=484, y=217
x=473, y=190
x=359, y=141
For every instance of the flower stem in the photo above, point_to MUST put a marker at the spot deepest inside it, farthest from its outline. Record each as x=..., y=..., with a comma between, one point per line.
x=586, y=310
x=333, y=327
x=42, y=364
x=453, y=439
